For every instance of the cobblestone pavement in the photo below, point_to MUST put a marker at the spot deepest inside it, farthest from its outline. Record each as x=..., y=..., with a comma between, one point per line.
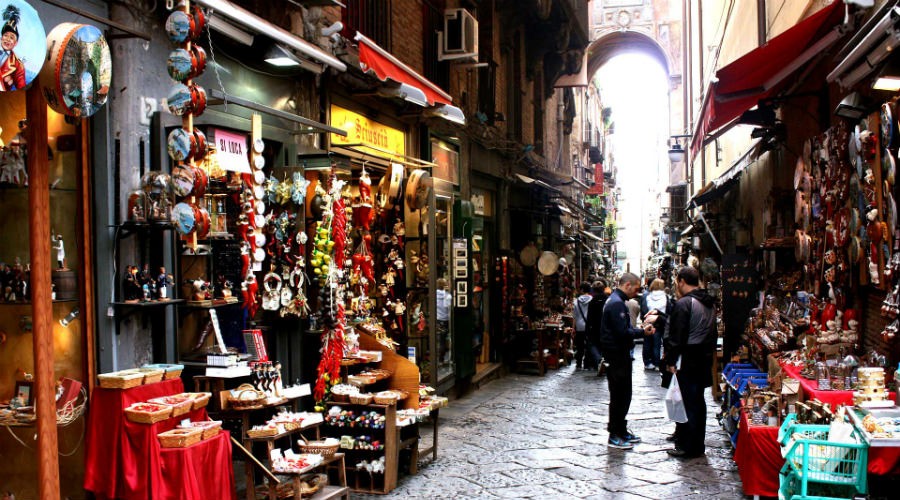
x=526, y=436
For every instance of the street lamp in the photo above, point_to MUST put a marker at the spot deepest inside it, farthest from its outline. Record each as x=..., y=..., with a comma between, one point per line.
x=676, y=152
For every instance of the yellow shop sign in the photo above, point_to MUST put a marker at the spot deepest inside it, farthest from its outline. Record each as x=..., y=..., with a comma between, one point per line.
x=371, y=136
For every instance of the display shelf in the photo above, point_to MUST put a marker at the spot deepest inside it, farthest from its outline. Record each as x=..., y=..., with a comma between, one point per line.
x=149, y=303
x=198, y=305
x=28, y=303
x=24, y=189
x=284, y=434
x=329, y=492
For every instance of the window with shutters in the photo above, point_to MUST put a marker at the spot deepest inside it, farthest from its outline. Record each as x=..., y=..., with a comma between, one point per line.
x=371, y=18
x=438, y=72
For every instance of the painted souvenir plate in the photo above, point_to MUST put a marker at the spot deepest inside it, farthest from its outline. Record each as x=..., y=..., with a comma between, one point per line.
x=259, y=255
x=182, y=180
x=75, y=81
x=178, y=26
x=259, y=162
x=259, y=145
x=184, y=218
x=180, y=144
x=179, y=99
x=887, y=125
x=180, y=65
x=23, y=45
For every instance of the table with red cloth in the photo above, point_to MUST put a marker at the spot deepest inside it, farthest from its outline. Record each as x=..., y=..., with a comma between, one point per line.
x=124, y=460
x=811, y=389
x=758, y=457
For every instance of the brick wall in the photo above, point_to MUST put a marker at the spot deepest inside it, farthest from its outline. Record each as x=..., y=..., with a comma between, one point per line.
x=406, y=35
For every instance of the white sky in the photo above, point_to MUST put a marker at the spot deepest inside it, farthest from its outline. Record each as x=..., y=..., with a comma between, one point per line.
x=635, y=87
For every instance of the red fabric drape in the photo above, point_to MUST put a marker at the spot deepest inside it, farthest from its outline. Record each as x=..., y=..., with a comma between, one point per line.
x=384, y=69
x=123, y=459
x=758, y=457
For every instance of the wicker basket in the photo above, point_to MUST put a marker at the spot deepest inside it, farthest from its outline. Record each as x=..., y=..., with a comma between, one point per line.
x=209, y=428
x=179, y=408
x=169, y=371
x=242, y=402
x=124, y=379
x=201, y=399
x=340, y=398
x=386, y=398
x=261, y=433
x=318, y=447
x=180, y=438
x=147, y=413
x=361, y=399
x=151, y=375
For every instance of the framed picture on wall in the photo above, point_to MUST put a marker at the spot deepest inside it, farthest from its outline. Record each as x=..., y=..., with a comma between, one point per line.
x=23, y=395
x=446, y=159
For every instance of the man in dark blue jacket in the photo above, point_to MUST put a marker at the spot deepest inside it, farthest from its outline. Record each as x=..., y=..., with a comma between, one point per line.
x=617, y=336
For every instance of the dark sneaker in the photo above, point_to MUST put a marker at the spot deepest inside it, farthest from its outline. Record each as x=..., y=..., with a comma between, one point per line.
x=679, y=453
x=671, y=438
x=631, y=438
x=619, y=443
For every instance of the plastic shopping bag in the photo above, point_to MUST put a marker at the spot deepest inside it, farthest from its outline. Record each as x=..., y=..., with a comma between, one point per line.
x=674, y=404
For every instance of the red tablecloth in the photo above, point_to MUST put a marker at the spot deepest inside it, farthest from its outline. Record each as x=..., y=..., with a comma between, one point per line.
x=123, y=458
x=811, y=389
x=199, y=472
x=758, y=457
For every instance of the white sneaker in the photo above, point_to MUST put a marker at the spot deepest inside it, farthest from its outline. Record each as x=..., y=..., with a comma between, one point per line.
x=651, y=366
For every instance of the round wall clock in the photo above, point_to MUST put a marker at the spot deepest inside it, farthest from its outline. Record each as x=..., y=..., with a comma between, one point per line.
x=76, y=79
x=23, y=45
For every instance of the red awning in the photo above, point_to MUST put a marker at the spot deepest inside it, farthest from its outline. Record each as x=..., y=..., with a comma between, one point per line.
x=385, y=66
x=757, y=75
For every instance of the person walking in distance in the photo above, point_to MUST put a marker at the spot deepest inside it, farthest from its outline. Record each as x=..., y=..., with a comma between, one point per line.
x=581, y=318
x=655, y=301
x=617, y=335
x=692, y=338
x=592, y=358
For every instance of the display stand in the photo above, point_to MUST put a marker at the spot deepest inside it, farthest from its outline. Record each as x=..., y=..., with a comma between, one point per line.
x=405, y=374
x=534, y=343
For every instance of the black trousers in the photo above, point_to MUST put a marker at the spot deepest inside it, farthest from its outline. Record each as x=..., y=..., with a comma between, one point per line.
x=618, y=375
x=691, y=435
x=580, y=338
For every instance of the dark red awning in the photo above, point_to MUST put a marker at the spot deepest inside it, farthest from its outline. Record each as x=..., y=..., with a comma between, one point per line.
x=756, y=75
x=385, y=66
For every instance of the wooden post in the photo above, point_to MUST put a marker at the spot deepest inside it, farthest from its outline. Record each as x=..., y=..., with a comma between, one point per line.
x=85, y=229
x=41, y=303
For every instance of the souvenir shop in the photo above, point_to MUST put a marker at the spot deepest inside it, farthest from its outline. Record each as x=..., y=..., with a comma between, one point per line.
x=290, y=281
x=810, y=313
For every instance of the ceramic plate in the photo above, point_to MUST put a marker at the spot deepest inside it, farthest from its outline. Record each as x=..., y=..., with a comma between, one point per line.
x=180, y=144
x=179, y=99
x=259, y=255
x=30, y=47
x=178, y=26
x=260, y=208
x=260, y=239
x=76, y=79
x=182, y=180
x=259, y=220
x=258, y=145
x=184, y=218
x=259, y=192
x=887, y=125
x=180, y=65
x=259, y=162
x=259, y=177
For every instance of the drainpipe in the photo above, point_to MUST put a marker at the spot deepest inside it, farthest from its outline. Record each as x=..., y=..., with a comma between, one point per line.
x=700, y=58
x=761, y=22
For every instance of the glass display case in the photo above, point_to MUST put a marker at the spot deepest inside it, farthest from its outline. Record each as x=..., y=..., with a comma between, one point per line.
x=443, y=210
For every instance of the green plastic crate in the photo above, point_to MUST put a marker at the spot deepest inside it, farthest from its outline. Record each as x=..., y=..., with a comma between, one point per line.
x=813, y=459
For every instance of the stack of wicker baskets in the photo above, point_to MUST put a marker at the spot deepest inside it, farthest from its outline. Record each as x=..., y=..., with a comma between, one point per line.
x=180, y=438
x=245, y=397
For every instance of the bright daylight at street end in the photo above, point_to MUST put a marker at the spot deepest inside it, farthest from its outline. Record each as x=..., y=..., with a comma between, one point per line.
x=461, y=249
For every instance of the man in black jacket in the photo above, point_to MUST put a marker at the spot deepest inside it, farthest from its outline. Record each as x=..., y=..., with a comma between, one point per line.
x=592, y=358
x=617, y=336
x=692, y=337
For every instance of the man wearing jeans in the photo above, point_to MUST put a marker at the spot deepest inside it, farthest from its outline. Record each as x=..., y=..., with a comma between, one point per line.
x=616, y=340
x=692, y=337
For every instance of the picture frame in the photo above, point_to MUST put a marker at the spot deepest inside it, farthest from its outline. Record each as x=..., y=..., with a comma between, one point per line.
x=24, y=393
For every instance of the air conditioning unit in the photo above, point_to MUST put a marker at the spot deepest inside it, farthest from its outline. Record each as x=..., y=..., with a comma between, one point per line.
x=459, y=40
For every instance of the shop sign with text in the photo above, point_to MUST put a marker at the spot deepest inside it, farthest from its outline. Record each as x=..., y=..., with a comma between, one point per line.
x=373, y=137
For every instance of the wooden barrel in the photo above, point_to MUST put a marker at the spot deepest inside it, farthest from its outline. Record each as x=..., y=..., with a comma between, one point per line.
x=66, y=285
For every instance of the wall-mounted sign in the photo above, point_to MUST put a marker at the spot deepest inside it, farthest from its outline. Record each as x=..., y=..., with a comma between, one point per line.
x=369, y=135
x=23, y=44
x=231, y=151
x=75, y=81
x=482, y=202
x=446, y=158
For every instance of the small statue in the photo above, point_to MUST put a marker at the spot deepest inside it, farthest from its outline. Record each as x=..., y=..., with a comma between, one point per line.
x=60, y=252
x=131, y=289
x=162, y=284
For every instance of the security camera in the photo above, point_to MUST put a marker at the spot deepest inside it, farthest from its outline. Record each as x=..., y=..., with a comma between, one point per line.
x=334, y=28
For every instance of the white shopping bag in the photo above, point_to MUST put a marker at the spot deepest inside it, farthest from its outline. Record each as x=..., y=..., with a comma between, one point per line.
x=674, y=404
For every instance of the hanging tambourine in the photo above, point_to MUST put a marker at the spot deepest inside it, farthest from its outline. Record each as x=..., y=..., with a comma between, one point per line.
x=799, y=240
x=24, y=46
x=389, y=187
x=418, y=189
x=548, y=264
x=529, y=255
x=76, y=79
x=181, y=144
x=184, y=218
x=799, y=171
x=183, y=180
x=854, y=250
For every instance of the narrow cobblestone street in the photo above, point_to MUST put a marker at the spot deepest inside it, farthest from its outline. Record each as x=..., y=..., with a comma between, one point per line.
x=525, y=436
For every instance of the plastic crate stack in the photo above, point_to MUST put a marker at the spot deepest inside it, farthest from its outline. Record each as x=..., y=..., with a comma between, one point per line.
x=816, y=468
x=738, y=377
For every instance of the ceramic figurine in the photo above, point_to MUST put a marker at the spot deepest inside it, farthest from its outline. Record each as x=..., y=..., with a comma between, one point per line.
x=163, y=281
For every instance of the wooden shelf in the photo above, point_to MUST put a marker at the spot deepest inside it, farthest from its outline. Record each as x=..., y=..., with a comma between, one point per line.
x=331, y=492
x=151, y=303
x=197, y=305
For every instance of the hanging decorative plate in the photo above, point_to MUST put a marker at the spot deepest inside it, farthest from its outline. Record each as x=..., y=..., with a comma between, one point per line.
x=180, y=65
x=184, y=218
x=198, y=59
x=857, y=140
x=891, y=173
x=887, y=125
x=259, y=255
x=198, y=99
x=199, y=22
x=260, y=208
x=259, y=192
x=853, y=188
x=201, y=181
x=202, y=148
x=179, y=99
x=389, y=187
x=203, y=224
x=548, y=264
x=799, y=169
x=178, y=26
x=259, y=146
x=799, y=239
x=418, y=189
x=853, y=250
x=25, y=43
x=853, y=224
x=806, y=184
x=259, y=220
x=182, y=180
x=259, y=177
x=259, y=238
x=799, y=201
x=807, y=149
x=259, y=162
x=76, y=80
x=180, y=144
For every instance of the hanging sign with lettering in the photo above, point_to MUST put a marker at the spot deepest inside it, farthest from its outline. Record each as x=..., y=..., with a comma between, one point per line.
x=369, y=135
x=231, y=151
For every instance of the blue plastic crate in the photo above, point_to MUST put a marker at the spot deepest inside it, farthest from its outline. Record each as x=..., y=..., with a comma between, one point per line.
x=731, y=367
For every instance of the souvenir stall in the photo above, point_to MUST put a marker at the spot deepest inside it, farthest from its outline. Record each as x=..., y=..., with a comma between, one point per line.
x=56, y=76
x=807, y=370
